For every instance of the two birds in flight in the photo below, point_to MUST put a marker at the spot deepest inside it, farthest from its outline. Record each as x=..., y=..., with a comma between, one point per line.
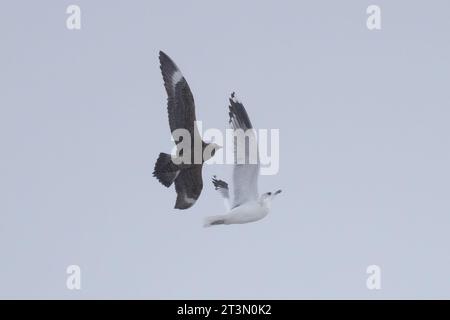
x=246, y=204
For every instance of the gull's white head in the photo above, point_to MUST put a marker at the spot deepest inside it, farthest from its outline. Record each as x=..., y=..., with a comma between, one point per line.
x=268, y=196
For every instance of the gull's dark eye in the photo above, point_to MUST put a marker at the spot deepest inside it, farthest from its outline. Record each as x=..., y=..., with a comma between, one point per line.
x=269, y=193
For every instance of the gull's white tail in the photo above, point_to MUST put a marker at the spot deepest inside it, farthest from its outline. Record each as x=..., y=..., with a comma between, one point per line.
x=214, y=220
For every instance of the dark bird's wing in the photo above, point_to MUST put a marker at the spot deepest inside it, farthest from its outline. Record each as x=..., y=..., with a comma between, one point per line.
x=180, y=102
x=246, y=167
x=181, y=110
x=188, y=186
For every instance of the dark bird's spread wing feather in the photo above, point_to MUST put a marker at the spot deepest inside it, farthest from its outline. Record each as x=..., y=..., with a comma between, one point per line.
x=180, y=102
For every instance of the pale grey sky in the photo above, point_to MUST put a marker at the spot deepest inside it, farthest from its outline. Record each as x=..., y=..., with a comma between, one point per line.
x=364, y=130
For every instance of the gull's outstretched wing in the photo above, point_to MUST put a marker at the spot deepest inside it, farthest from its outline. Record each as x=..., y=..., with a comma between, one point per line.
x=246, y=167
x=222, y=187
x=180, y=102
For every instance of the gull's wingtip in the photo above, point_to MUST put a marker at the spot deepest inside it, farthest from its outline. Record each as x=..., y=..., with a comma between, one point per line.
x=233, y=98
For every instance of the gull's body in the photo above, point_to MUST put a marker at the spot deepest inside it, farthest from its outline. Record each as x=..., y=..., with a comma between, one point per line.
x=247, y=205
x=248, y=212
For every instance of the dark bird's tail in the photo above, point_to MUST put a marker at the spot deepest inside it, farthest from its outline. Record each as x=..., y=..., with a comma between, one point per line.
x=165, y=170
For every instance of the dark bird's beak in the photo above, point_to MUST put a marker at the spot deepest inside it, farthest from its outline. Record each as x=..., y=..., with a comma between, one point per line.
x=277, y=192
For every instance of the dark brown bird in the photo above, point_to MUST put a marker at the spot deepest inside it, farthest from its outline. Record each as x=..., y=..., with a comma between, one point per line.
x=187, y=173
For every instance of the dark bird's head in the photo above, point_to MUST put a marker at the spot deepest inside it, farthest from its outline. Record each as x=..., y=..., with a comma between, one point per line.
x=209, y=150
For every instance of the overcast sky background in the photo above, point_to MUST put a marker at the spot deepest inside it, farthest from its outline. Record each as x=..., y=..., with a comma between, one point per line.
x=364, y=153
